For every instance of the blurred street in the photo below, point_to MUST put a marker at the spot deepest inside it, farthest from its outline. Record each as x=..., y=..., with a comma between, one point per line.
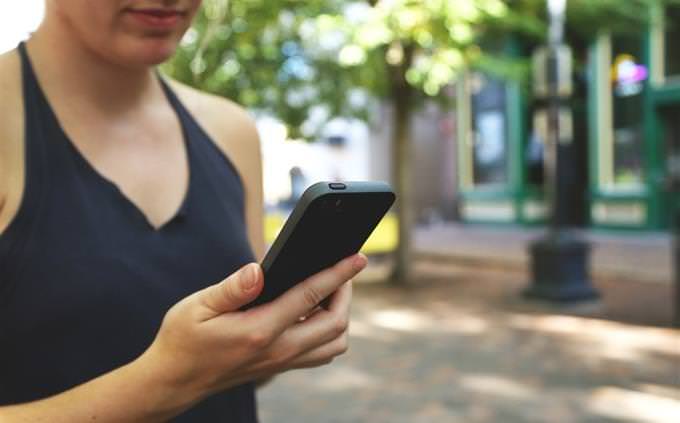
x=461, y=345
x=642, y=257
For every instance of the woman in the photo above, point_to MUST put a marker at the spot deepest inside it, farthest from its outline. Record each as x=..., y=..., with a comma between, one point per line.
x=124, y=201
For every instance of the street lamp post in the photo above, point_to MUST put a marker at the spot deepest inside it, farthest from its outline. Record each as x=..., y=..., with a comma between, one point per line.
x=676, y=265
x=559, y=260
x=673, y=189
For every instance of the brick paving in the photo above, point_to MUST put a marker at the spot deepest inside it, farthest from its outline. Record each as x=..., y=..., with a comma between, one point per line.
x=461, y=345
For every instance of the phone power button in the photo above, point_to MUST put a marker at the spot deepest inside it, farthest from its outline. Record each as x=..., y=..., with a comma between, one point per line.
x=337, y=185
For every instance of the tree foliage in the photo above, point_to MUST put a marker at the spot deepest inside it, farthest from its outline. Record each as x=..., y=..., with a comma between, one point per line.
x=308, y=61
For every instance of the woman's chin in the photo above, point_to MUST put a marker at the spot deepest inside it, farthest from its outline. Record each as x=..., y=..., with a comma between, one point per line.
x=146, y=52
x=153, y=57
x=156, y=58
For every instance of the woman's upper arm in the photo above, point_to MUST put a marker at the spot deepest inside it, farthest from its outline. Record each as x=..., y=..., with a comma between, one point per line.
x=239, y=139
x=250, y=167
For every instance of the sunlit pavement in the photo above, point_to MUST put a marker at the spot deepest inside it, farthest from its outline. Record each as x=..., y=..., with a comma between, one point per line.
x=462, y=346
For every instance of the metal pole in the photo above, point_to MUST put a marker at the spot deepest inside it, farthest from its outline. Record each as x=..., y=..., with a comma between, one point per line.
x=676, y=253
x=556, y=34
x=673, y=189
x=559, y=260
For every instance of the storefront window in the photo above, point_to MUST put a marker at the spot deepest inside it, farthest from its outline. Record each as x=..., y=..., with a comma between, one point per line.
x=671, y=56
x=628, y=78
x=490, y=132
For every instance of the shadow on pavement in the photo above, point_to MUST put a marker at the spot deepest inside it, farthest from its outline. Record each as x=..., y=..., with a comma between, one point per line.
x=458, y=345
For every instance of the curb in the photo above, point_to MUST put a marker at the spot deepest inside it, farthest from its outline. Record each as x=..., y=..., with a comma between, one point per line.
x=522, y=265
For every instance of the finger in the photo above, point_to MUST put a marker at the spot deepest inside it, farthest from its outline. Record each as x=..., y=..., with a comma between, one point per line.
x=323, y=354
x=320, y=328
x=342, y=296
x=304, y=297
x=342, y=299
x=239, y=289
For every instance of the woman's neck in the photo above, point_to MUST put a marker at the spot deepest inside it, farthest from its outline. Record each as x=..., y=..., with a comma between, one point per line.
x=66, y=66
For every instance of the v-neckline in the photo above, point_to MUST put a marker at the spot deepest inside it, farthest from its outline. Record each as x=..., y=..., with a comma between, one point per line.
x=181, y=210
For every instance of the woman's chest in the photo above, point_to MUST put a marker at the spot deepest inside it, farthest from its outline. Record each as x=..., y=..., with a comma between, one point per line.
x=64, y=281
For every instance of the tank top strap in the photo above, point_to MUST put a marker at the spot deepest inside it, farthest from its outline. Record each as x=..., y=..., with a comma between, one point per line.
x=40, y=128
x=192, y=130
x=41, y=124
x=39, y=117
x=205, y=152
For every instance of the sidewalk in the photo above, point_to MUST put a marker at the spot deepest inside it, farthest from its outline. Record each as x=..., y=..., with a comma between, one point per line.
x=460, y=345
x=625, y=256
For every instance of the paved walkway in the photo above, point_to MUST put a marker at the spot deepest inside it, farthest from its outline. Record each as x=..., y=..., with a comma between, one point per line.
x=630, y=256
x=460, y=345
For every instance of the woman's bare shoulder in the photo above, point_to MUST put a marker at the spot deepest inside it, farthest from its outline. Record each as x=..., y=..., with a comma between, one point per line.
x=10, y=82
x=213, y=110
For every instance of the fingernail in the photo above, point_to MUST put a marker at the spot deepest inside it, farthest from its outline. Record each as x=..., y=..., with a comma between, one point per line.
x=359, y=261
x=248, y=277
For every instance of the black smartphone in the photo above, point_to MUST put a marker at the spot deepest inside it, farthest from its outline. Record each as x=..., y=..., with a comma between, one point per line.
x=330, y=222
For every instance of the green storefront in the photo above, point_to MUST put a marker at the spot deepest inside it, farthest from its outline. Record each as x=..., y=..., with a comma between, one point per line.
x=626, y=131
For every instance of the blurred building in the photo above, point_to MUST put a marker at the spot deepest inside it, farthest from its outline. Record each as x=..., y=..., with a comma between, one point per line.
x=433, y=159
x=626, y=136
x=290, y=166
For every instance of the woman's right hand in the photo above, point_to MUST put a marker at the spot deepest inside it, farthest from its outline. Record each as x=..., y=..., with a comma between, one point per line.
x=205, y=344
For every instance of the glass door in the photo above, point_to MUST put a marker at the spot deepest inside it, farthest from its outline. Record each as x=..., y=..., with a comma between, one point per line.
x=627, y=83
x=489, y=129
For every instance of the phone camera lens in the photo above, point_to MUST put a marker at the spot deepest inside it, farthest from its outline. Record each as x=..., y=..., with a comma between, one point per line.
x=339, y=205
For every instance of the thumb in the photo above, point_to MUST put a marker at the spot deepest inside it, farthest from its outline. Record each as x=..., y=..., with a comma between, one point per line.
x=239, y=289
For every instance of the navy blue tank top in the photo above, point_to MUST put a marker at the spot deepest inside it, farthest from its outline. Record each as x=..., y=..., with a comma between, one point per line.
x=85, y=280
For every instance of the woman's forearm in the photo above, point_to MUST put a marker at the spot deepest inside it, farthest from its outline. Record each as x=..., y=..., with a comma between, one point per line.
x=136, y=392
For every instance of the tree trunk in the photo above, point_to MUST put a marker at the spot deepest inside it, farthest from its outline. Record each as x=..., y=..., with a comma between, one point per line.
x=401, y=162
x=402, y=98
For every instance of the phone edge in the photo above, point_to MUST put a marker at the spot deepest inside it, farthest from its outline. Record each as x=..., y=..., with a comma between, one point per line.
x=312, y=193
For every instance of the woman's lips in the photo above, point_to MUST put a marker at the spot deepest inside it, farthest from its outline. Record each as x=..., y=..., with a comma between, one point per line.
x=163, y=19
